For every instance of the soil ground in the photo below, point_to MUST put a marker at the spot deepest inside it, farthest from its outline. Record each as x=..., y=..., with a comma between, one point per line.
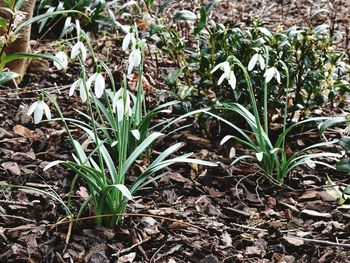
x=195, y=214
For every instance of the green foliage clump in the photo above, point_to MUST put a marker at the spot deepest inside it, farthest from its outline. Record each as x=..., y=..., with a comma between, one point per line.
x=317, y=70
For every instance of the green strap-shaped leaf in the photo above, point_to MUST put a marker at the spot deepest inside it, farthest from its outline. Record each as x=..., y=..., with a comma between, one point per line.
x=44, y=16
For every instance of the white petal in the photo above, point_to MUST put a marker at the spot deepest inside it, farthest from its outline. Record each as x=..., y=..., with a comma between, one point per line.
x=128, y=111
x=269, y=74
x=91, y=79
x=223, y=77
x=278, y=76
x=99, y=85
x=63, y=58
x=82, y=90
x=38, y=112
x=73, y=87
x=75, y=50
x=133, y=41
x=65, y=62
x=83, y=51
x=60, y=58
x=119, y=93
x=136, y=134
x=46, y=110
x=252, y=62
x=261, y=62
x=137, y=57
x=57, y=65
x=120, y=110
x=232, y=80
x=216, y=68
x=130, y=67
x=224, y=65
x=126, y=41
x=227, y=68
x=259, y=156
x=32, y=108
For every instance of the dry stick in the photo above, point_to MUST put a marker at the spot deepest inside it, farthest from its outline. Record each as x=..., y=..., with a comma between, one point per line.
x=19, y=217
x=311, y=240
x=123, y=251
x=69, y=234
x=159, y=249
x=325, y=242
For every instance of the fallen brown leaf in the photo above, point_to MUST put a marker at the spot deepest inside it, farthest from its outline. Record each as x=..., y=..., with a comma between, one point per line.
x=12, y=167
x=22, y=131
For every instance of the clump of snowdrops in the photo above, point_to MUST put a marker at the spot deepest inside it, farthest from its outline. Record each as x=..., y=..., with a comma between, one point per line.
x=116, y=127
x=271, y=156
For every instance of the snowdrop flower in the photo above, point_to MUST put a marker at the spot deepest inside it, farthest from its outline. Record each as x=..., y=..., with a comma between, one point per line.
x=134, y=59
x=39, y=108
x=228, y=74
x=257, y=57
x=78, y=48
x=136, y=134
x=62, y=57
x=83, y=92
x=129, y=37
x=99, y=82
x=272, y=72
x=121, y=104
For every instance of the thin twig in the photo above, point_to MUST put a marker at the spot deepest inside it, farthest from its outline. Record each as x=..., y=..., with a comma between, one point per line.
x=324, y=242
x=19, y=217
x=261, y=229
x=123, y=251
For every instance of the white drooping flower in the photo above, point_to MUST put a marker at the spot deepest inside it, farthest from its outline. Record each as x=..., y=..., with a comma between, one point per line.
x=39, y=108
x=257, y=57
x=62, y=57
x=77, y=49
x=83, y=92
x=232, y=80
x=136, y=134
x=122, y=104
x=228, y=73
x=98, y=80
x=129, y=38
x=272, y=72
x=259, y=156
x=134, y=59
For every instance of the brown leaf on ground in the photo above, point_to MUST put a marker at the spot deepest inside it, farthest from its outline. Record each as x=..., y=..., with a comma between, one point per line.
x=12, y=167
x=22, y=131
